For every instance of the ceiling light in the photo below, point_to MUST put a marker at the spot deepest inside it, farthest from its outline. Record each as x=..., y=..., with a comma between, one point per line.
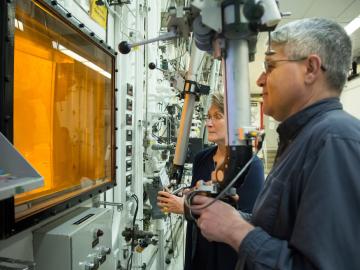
x=352, y=26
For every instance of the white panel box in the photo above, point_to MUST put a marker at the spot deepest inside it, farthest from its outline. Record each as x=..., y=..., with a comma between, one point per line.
x=80, y=240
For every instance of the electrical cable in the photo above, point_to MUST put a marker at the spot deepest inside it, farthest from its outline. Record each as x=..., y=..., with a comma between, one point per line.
x=191, y=195
x=129, y=262
x=172, y=238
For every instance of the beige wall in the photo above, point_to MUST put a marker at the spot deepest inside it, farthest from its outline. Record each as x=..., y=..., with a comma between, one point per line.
x=350, y=97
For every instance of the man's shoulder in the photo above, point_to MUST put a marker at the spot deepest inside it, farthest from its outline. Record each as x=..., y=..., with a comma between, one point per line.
x=337, y=123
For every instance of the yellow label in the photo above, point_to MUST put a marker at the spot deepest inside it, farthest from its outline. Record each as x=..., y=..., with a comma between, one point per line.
x=98, y=13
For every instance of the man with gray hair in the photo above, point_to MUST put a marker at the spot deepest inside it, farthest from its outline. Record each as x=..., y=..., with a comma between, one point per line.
x=307, y=216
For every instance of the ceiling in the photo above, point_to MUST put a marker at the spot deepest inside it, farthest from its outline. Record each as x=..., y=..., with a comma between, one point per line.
x=342, y=11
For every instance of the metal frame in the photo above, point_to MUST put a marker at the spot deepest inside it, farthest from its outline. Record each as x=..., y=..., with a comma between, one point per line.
x=7, y=15
x=8, y=225
x=59, y=11
x=7, y=210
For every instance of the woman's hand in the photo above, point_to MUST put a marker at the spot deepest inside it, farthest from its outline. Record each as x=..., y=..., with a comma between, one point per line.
x=170, y=203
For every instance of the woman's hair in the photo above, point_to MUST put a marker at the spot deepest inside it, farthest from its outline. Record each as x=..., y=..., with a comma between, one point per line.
x=322, y=37
x=217, y=99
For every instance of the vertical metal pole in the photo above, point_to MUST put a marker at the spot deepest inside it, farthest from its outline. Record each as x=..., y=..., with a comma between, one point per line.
x=237, y=91
x=213, y=83
x=138, y=126
x=160, y=264
x=188, y=109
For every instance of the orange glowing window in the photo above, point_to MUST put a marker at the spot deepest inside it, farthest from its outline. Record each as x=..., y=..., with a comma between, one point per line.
x=63, y=100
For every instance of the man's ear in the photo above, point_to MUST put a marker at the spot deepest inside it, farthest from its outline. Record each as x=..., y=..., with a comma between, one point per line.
x=313, y=68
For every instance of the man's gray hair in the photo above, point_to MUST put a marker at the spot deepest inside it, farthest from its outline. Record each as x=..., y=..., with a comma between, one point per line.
x=322, y=37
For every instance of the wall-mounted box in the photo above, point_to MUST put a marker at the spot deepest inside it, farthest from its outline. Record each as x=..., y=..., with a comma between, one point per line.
x=80, y=240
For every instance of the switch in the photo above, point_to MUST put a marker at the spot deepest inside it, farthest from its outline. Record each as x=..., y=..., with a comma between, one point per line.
x=95, y=261
x=99, y=233
x=128, y=165
x=129, y=89
x=102, y=258
x=129, y=105
x=128, y=119
x=129, y=135
x=128, y=150
x=128, y=180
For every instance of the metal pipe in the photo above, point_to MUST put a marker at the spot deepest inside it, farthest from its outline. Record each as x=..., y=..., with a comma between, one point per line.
x=188, y=108
x=213, y=83
x=161, y=246
x=119, y=206
x=237, y=91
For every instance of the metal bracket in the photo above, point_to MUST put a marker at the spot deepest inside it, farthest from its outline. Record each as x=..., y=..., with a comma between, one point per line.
x=119, y=206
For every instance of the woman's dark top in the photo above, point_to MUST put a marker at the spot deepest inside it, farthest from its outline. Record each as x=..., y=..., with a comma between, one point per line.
x=199, y=252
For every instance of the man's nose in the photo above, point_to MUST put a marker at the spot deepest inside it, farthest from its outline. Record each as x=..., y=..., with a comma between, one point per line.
x=261, y=80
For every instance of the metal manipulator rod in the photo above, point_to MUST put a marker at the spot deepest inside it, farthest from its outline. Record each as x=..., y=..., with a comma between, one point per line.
x=125, y=47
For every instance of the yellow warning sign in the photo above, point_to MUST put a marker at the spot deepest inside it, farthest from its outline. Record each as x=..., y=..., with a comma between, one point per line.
x=98, y=13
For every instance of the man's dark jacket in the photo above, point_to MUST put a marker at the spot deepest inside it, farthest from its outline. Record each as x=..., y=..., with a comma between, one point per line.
x=308, y=214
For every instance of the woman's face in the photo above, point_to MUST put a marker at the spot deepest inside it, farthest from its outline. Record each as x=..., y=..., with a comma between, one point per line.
x=215, y=123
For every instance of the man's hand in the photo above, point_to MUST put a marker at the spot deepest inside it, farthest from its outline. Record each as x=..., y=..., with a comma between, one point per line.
x=221, y=222
x=170, y=203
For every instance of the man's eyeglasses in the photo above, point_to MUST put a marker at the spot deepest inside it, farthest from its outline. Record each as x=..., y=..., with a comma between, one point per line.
x=269, y=65
x=215, y=117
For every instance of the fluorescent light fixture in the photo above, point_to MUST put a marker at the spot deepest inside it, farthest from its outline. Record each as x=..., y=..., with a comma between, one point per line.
x=352, y=26
x=80, y=59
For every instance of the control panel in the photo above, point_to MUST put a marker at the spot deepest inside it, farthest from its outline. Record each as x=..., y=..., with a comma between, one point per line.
x=129, y=121
x=80, y=240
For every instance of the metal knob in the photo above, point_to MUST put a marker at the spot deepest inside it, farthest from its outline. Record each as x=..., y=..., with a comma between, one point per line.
x=89, y=266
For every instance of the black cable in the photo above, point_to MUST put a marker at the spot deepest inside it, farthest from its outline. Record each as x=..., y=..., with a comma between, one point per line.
x=172, y=238
x=136, y=209
x=129, y=263
x=189, y=196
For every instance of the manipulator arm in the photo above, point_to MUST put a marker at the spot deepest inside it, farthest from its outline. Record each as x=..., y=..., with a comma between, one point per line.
x=191, y=90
